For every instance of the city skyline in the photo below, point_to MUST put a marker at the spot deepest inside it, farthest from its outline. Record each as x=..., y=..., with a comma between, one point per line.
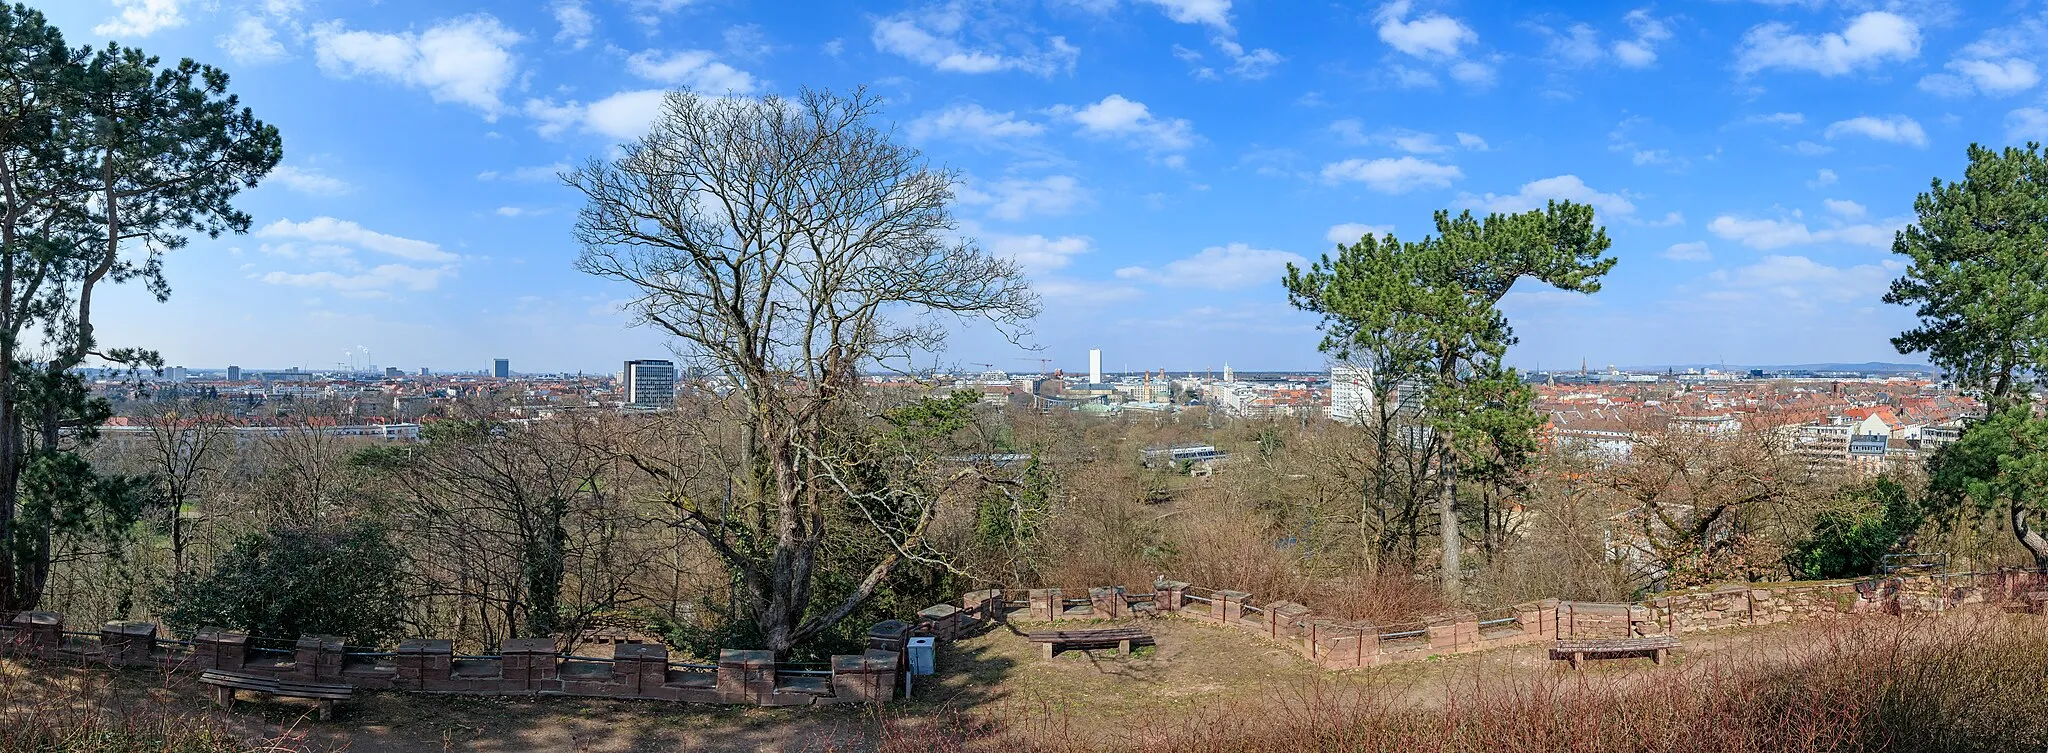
x=1153, y=164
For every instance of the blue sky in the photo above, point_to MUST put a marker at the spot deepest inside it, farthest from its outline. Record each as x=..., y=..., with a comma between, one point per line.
x=1153, y=163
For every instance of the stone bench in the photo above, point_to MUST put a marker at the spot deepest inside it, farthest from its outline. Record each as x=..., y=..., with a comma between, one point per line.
x=1577, y=650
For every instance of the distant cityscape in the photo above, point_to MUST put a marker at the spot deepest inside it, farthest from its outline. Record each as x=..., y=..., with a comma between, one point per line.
x=1856, y=416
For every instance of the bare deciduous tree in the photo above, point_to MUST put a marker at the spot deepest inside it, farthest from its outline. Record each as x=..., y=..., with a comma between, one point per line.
x=785, y=245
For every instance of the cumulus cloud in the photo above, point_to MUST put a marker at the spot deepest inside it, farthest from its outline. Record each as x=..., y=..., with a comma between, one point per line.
x=530, y=174
x=1641, y=51
x=938, y=37
x=331, y=230
x=1797, y=283
x=1991, y=77
x=1538, y=193
x=1130, y=120
x=621, y=117
x=576, y=21
x=1021, y=198
x=1845, y=207
x=1823, y=177
x=1214, y=13
x=697, y=69
x=1037, y=253
x=1350, y=232
x=1868, y=41
x=141, y=18
x=252, y=42
x=1897, y=129
x=467, y=60
x=2026, y=124
x=1768, y=234
x=1692, y=251
x=1218, y=268
x=1393, y=175
x=973, y=123
x=310, y=182
x=1429, y=34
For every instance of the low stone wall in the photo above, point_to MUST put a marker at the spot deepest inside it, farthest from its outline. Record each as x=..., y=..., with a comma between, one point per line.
x=525, y=666
x=1346, y=644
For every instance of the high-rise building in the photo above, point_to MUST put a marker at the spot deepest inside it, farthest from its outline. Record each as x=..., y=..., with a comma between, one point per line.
x=423, y=371
x=502, y=368
x=234, y=373
x=1351, y=393
x=1095, y=366
x=392, y=372
x=649, y=383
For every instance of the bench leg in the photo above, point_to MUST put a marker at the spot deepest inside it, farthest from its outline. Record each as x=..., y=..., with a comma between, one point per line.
x=1578, y=658
x=326, y=709
x=1046, y=650
x=1658, y=657
x=224, y=697
x=1124, y=646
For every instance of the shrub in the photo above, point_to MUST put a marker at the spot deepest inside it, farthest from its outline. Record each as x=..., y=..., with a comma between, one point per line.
x=284, y=583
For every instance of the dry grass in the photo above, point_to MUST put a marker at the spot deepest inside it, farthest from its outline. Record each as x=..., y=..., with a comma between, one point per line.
x=1961, y=684
x=84, y=712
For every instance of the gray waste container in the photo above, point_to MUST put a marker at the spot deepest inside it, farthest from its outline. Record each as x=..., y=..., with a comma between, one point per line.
x=923, y=655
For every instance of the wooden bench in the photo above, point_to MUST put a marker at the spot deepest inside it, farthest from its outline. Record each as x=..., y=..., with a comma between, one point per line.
x=225, y=685
x=1577, y=650
x=1051, y=641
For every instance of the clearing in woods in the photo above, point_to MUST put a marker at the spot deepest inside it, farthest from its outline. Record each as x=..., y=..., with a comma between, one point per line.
x=1101, y=696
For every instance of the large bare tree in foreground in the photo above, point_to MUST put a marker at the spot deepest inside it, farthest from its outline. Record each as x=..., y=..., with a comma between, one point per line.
x=785, y=244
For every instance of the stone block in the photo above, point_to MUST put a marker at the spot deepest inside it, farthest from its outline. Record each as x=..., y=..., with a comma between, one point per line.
x=531, y=664
x=1108, y=602
x=214, y=648
x=424, y=664
x=1046, y=605
x=641, y=667
x=317, y=658
x=870, y=677
x=943, y=620
x=127, y=643
x=1169, y=595
x=749, y=676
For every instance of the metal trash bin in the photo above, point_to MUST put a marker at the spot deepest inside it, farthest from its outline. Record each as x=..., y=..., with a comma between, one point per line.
x=923, y=655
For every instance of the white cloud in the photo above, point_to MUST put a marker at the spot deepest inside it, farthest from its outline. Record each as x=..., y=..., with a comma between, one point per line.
x=2026, y=124
x=1019, y=198
x=141, y=18
x=1776, y=119
x=1116, y=116
x=697, y=69
x=1471, y=142
x=1214, y=13
x=1538, y=193
x=1432, y=34
x=934, y=37
x=1693, y=251
x=1897, y=129
x=1247, y=64
x=623, y=116
x=1824, y=177
x=1641, y=51
x=331, y=230
x=971, y=122
x=1869, y=40
x=1084, y=293
x=1810, y=149
x=1800, y=283
x=1845, y=207
x=1769, y=234
x=466, y=60
x=1350, y=232
x=252, y=42
x=576, y=21
x=1992, y=77
x=510, y=211
x=1037, y=253
x=369, y=282
x=1411, y=78
x=1396, y=175
x=309, y=181
x=1472, y=72
x=1218, y=268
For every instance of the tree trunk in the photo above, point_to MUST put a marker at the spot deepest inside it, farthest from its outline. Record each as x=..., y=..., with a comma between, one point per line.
x=2035, y=543
x=1447, y=522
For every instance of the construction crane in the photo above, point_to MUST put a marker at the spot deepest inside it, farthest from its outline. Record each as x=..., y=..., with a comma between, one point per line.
x=1042, y=364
